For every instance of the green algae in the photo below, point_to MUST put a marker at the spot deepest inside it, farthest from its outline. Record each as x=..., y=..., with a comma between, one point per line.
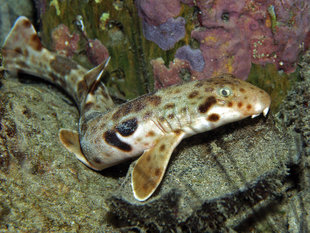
x=275, y=82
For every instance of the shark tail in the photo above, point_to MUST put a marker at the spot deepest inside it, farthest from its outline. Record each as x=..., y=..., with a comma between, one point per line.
x=23, y=51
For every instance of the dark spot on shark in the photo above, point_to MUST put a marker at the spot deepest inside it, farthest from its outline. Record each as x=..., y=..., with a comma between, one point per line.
x=18, y=50
x=35, y=42
x=154, y=100
x=26, y=23
x=63, y=65
x=97, y=160
x=203, y=108
x=111, y=138
x=88, y=106
x=138, y=105
x=213, y=117
x=198, y=84
x=209, y=89
x=193, y=94
x=22, y=64
x=53, y=76
x=158, y=171
x=127, y=128
x=147, y=115
x=171, y=105
x=81, y=88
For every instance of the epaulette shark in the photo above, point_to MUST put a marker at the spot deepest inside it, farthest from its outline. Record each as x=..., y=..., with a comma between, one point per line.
x=151, y=125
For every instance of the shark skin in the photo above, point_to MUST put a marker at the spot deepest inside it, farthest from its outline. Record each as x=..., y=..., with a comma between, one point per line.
x=152, y=125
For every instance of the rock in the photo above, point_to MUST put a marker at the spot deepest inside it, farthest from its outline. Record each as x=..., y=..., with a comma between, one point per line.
x=44, y=188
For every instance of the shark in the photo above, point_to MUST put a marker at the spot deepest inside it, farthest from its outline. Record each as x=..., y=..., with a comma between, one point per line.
x=149, y=127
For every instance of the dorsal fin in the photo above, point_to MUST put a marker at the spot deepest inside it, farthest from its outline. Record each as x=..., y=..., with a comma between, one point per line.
x=97, y=98
x=93, y=76
x=22, y=34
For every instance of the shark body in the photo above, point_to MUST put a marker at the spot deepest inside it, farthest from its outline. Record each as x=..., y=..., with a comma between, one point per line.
x=151, y=125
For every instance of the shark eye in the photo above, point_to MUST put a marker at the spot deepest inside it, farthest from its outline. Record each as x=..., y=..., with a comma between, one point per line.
x=225, y=91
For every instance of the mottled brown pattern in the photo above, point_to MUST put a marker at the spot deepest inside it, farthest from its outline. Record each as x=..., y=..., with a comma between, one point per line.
x=170, y=105
x=161, y=118
x=22, y=64
x=230, y=104
x=242, y=90
x=198, y=84
x=138, y=106
x=88, y=106
x=178, y=131
x=171, y=116
x=35, y=42
x=213, y=117
x=203, y=108
x=134, y=106
x=53, y=77
x=97, y=160
x=162, y=147
x=63, y=65
x=193, y=94
x=147, y=115
x=18, y=50
x=26, y=53
x=158, y=171
x=240, y=104
x=150, y=134
x=26, y=24
x=209, y=89
x=154, y=100
x=249, y=106
x=122, y=111
x=81, y=88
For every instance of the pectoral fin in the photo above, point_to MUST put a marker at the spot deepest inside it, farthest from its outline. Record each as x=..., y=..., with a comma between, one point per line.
x=70, y=140
x=151, y=166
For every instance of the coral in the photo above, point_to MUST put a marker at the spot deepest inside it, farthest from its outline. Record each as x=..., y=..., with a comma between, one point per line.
x=166, y=34
x=96, y=52
x=164, y=76
x=63, y=42
x=235, y=34
x=194, y=56
x=223, y=52
x=158, y=12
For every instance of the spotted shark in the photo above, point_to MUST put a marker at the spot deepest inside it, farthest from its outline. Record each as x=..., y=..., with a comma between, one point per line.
x=152, y=125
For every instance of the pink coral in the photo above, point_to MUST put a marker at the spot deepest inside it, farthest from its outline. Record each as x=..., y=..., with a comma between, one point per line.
x=65, y=43
x=164, y=76
x=159, y=11
x=96, y=52
x=235, y=34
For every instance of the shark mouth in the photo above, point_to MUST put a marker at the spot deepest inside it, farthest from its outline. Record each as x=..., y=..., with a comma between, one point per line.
x=265, y=112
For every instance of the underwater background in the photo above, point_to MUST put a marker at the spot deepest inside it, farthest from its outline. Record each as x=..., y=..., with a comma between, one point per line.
x=251, y=175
